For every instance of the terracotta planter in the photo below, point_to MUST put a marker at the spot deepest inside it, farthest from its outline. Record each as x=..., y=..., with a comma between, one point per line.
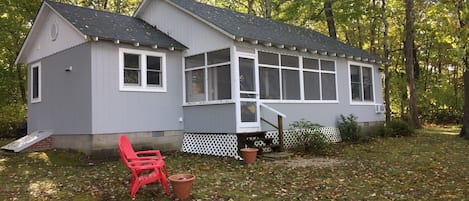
x=249, y=155
x=182, y=185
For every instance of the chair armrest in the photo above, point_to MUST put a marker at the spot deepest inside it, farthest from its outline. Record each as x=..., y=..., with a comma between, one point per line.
x=150, y=152
x=144, y=165
x=142, y=158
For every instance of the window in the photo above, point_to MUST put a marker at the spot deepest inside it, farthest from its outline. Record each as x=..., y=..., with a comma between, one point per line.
x=319, y=79
x=142, y=70
x=361, y=83
x=35, y=89
x=213, y=67
x=277, y=71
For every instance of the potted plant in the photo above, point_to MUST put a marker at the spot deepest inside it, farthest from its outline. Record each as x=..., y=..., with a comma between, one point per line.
x=182, y=185
x=249, y=154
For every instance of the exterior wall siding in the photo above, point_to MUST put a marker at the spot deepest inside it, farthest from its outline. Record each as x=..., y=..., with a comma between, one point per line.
x=117, y=111
x=210, y=118
x=65, y=105
x=191, y=32
x=42, y=45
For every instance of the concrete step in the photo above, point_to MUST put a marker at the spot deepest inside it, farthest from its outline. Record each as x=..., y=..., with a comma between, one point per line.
x=277, y=155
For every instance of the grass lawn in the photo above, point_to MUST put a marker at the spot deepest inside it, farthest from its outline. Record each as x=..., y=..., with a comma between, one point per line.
x=432, y=165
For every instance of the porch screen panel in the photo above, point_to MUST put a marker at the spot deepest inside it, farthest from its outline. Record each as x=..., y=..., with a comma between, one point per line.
x=219, y=81
x=219, y=56
x=248, y=111
x=290, y=85
x=246, y=74
x=195, y=61
x=268, y=58
x=289, y=61
x=269, y=83
x=319, y=79
x=328, y=86
x=311, y=86
x=195, y=85
x=310, y=64
x=327, y=65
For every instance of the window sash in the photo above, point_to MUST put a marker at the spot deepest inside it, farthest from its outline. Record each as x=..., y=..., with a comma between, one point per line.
x=142, y=70
x=361, y=83
x=35, y=86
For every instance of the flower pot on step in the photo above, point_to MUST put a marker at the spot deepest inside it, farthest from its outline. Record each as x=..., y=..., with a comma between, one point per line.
x=182, y=185
x=249, y=155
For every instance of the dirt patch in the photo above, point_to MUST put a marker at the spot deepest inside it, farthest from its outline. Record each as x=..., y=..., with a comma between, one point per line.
x=310, y=162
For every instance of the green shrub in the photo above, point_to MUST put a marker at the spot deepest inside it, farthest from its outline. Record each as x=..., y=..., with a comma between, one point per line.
x=310, y=139
x=397, y=127
x=349, y=129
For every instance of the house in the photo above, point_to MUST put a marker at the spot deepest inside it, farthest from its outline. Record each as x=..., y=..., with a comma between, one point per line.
x=179, y=66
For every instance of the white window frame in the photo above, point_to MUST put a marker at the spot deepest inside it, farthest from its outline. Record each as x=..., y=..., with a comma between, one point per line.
x=301, y=71
x=320, y=72
x=39, y=87
x=361, y=65
x=143, y=87
x=206, y=68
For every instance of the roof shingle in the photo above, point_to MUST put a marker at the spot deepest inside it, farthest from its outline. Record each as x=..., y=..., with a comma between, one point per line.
x=111, y=26
x=267, y=30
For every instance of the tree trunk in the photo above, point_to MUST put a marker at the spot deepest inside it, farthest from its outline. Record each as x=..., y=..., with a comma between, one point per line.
x=386, y=65
x=463, y=34
x=330, y=18
x=118, y=6
x=360, y=35
x=373, y=28
x=268, y=9
x=21, y=85
x=409, y=63
x=250, y=7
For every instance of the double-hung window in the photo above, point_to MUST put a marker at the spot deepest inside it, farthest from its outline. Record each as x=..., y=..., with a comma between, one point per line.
x=208, y=76
x=142, y=70
x=35, y=88
x=361, y=83
x=319, y=78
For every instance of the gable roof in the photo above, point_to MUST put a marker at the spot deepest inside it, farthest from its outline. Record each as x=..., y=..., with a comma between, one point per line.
x=112, y=26
x=244, y=27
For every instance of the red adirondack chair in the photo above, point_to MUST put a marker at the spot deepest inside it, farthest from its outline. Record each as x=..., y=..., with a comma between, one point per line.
x=145, y=170
x=124, y=142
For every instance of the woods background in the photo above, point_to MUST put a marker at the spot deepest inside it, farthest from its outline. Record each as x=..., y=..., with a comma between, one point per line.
x=426, y=43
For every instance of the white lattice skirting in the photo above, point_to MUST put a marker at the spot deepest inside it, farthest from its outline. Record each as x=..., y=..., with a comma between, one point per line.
x=210, y=144
x=227, y=144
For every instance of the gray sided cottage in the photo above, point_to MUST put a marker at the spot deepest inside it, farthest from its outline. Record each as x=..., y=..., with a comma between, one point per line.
x=178, y=66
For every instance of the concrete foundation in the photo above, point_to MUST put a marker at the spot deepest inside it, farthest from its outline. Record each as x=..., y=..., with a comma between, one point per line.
x=106, y=145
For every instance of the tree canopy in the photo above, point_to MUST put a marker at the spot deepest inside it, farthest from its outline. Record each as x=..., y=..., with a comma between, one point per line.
x=440, y=46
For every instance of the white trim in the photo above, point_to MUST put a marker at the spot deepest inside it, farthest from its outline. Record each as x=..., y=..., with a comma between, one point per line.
x=39, y=17
x=212, y=102
x=301, y=70
x=39, y=87
x=206, y=69
x=248, y=126
x=143, y=71
x=361, y=65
